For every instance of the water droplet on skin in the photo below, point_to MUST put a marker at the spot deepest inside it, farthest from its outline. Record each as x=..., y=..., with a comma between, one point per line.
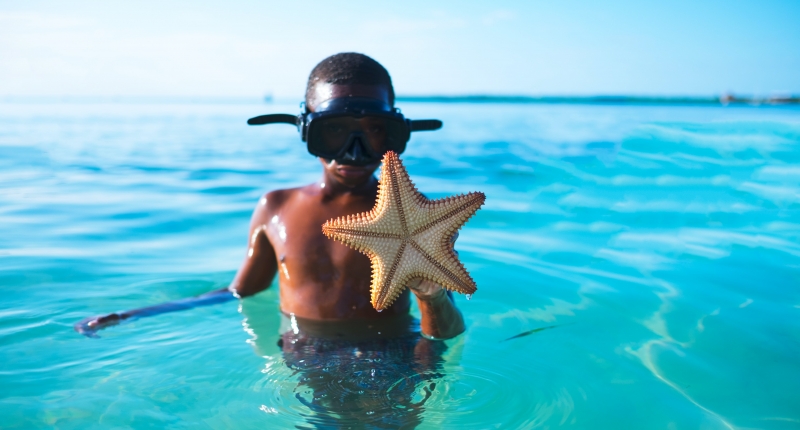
x=469, y=296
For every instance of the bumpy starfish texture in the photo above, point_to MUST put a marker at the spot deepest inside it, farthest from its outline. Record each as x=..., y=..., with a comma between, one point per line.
x=406, y=236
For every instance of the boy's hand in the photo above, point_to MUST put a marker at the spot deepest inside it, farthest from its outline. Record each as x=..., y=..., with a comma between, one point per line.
x=89, y=326
x=426, y=290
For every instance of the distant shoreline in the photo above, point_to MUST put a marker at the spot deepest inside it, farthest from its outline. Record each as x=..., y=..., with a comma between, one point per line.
x=723, y=100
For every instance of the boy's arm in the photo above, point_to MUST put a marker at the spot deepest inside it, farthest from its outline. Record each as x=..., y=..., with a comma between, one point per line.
x=89, y=326
x=260, y=265
x=441, y=318
x=254, y=275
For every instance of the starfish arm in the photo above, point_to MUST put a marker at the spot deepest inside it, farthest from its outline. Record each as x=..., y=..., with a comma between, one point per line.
x=402, y=192
x=414, y=263
x=452, y=211
x=382, y=220
x=445, y=269
x=388, y=281
x=344, y=232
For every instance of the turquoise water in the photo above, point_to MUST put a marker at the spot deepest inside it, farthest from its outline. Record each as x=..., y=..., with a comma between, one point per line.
x=660, y=243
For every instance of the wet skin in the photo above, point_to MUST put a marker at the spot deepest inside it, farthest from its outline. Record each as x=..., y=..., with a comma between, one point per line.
x=320, y=279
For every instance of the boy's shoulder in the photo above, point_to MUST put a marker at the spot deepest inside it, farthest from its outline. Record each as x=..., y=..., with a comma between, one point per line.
x=271, y=202
x=278, y=198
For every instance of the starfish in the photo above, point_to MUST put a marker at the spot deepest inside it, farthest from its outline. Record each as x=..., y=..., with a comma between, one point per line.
x=407, y=236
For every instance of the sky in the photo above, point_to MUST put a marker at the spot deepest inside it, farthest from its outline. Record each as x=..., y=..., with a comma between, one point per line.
x=254, y=48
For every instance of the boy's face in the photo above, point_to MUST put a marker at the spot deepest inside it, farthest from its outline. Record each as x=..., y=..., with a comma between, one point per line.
x=348, y=175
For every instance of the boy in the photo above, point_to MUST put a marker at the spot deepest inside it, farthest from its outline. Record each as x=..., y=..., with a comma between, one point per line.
x=321, y=279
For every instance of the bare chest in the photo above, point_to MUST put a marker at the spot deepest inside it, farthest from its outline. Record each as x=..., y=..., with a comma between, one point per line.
x=306, y=256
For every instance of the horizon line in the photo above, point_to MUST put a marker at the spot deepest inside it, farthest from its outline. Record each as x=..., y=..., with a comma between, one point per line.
x=723, y=99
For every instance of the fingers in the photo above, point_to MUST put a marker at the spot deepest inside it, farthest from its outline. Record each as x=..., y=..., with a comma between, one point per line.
x=89, y=326
x=454, y=238
x=425, y=289
x=421, y=284
x=414, y=284
x=453, y=242
x=85, y=329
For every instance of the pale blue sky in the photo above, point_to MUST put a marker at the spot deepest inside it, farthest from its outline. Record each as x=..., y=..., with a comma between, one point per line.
x=250, y=48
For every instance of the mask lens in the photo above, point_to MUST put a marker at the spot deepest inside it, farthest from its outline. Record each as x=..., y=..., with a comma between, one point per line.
x=328, y=136
x=332, y=134
x=375, y=131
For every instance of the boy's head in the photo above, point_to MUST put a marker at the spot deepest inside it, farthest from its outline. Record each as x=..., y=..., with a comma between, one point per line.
x=348, y=69
x=350, y=121
x=352, y=77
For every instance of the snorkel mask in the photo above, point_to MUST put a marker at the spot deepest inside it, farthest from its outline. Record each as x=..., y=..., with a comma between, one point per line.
x=352, y=130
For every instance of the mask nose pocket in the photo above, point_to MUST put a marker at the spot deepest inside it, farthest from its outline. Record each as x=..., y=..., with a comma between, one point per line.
x=356, y=152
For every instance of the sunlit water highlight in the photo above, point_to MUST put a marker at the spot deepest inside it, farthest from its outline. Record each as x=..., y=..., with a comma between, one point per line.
x=661, y=244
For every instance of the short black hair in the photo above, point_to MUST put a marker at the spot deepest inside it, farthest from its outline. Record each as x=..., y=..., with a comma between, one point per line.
x=349, y=68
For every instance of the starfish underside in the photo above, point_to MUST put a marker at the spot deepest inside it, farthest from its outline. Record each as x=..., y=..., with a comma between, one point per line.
x=406, y=236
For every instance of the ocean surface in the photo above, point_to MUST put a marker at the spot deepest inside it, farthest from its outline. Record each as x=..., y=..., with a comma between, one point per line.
x=650, y=255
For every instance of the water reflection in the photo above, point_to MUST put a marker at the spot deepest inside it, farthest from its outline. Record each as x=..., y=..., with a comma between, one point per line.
x=356, y=374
